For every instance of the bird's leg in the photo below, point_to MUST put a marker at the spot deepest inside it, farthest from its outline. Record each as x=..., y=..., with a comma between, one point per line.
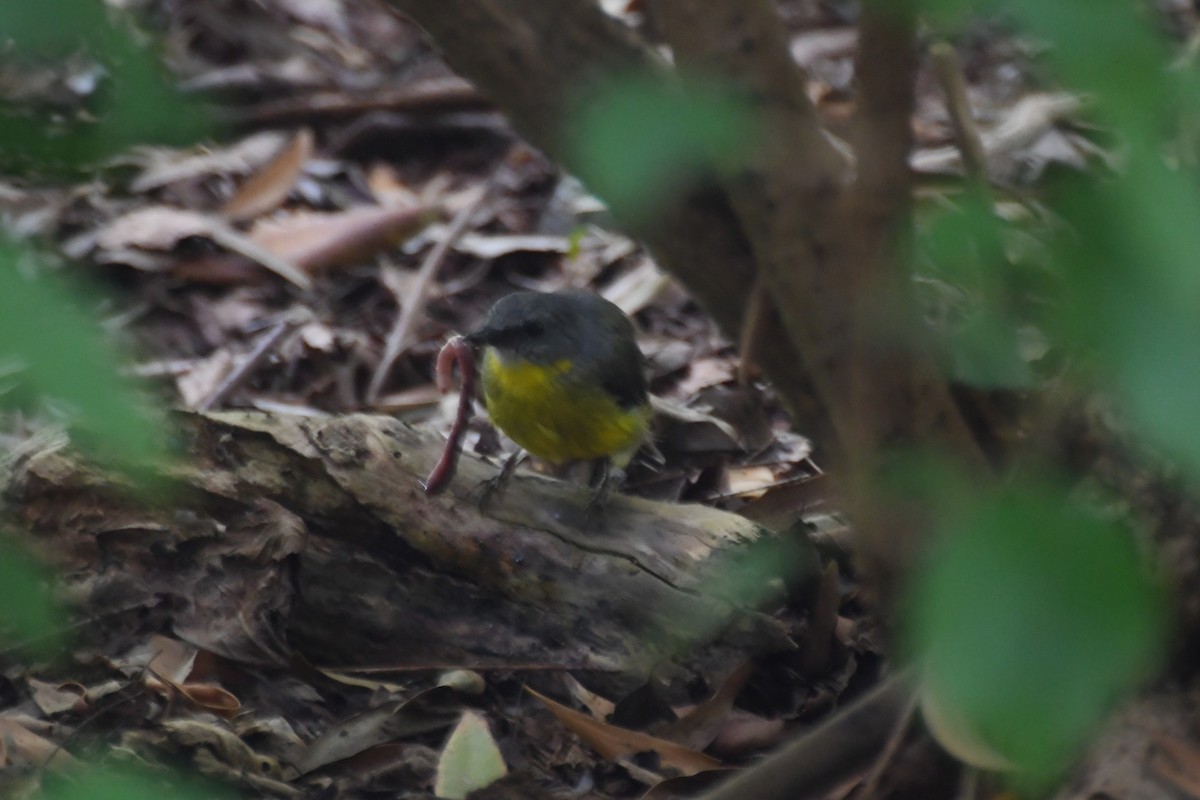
x=604, y=479
x=495, y=486
x=599, y=472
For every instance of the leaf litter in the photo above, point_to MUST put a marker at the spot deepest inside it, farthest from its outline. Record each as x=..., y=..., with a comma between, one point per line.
x=317, y=214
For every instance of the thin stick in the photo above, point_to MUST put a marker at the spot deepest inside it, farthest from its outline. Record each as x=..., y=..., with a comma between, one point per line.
x=754, y=329
x=870, y=787
x=950, y=76
x=827, y=755
x=238, y=375
x=400, y=337
x=226, y=235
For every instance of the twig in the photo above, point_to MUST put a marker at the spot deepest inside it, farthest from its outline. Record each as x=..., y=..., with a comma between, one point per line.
x=238, y=375
x=826, y=755
x=121, y=698
x=870, y=787
x=1028, y=119
x=226, y=235
x=970, y=144
x=401, y=335
x=754, y=331
x=431, y=96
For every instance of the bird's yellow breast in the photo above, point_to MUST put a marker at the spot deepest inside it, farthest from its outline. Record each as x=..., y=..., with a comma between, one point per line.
x=556, y=418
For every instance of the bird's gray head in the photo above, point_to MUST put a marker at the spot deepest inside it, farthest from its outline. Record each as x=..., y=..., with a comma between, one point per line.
x=545, y=327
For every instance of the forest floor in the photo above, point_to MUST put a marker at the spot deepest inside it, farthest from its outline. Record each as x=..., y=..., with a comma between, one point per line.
x=356, y=206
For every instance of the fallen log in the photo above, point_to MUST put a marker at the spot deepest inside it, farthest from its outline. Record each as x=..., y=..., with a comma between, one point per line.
x=282, y=535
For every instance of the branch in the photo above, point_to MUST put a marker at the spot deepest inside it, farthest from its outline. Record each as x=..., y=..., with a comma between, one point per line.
x=784, y=191
x=531, y=58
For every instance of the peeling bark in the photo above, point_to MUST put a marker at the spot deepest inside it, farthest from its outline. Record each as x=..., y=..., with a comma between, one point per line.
x=341, y=556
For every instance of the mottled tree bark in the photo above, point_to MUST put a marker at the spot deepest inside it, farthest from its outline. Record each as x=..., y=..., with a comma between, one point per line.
x=329, y=547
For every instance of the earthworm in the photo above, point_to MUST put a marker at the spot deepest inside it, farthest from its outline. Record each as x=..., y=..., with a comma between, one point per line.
x=457, y=350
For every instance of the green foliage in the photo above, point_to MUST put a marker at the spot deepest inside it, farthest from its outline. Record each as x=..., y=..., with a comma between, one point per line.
x=1030, y=617
x=134, y=102
x=644, y=139
x=62, y=355
x=115, y=782
x=52, y=350
x=973, y=294
x=27, y=611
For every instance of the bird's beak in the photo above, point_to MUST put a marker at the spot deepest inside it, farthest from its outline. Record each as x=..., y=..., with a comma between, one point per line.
x=479, y=337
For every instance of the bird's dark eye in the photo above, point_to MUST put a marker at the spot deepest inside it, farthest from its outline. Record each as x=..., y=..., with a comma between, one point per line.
x=532, y=327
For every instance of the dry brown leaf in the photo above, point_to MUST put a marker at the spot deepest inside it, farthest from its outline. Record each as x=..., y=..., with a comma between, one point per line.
x=638, y=287
x=161, y=228
x=266, y=189
x=492, y=246
x=686, y=786
x=316, y=241
x=171, y=660
x=223, y=743
x=706, y=372
x=430, y=710
x=467, y=681
x=601, y=707
x=24, y=747
x=171, y=664
x=393, y=757
x=744, y=734
x=674, y=410
x=615, y=743
x=749, y=481
x=388, y=188
x=698, y=727
x=204, y=377
x=212, y=699
x=54, y=698
x=1177, y=762
x=154, y=228
x=409, y=399
x=165, y=166
x=218, y=269
x=788, y=500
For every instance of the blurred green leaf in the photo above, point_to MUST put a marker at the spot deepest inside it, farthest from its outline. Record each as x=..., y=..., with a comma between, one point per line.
x=1132, y=267
x=27, y=610
x=64, y=356
x=986, y=352
x=643, y=139
x=135, y=101
x=970, y=289
x=1030, y=618
x=28, y=28
x=1106, y=47
x=117, y=782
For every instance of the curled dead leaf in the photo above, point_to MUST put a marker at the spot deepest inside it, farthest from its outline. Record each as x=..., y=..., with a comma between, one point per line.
x=55, y=698
x=698, y=727
x=616, y=743
x=266, y=189
x=21, y=746
x=317, y=241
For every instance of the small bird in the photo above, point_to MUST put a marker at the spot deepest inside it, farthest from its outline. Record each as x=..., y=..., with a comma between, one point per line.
x=563, y=378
